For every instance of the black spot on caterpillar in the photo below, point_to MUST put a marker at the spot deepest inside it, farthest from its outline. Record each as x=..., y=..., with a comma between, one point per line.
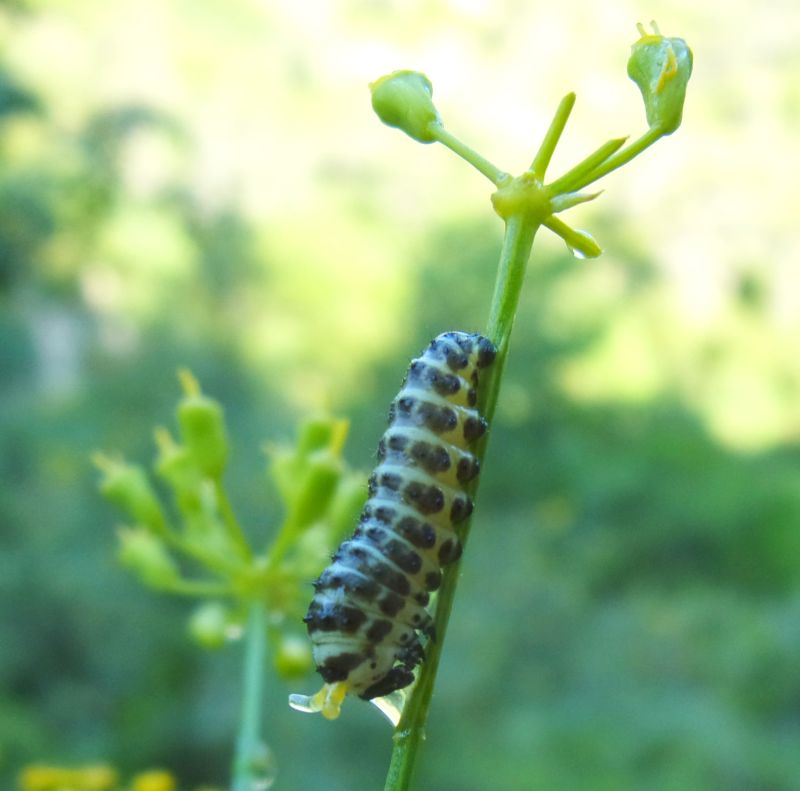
x=368, y=612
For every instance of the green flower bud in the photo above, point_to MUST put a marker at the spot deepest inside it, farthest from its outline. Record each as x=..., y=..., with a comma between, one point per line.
x=209, y=624
x=202, y=427
x=403, y=99
x=661, y=67
x=316, y=489
x=288, y=465
x=293, y=656
x=147, y=557
x=127, y=486
x=177, y=467
x=351, y=494
x=315, y=434
x=175, y=464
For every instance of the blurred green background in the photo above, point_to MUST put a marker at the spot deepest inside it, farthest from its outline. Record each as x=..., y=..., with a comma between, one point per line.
x=203, y=183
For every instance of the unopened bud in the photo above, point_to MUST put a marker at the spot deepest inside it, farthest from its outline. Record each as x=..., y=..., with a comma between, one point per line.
x=202, y=427
x=293, y=656
x=351, y=494
x=317, y=486
x=127, y=486
x=661, y=67
x=147, y=557
x=403, y=99
x=209, y=624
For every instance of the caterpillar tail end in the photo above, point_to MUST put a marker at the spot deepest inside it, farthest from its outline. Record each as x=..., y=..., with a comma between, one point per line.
x=328, y=701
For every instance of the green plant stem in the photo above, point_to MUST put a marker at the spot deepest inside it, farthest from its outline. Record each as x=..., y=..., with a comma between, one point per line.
x=248, y=742
x=213, y=561
x=573, y=175
x=410, y=731
x=231, y=523
x=517, y=244
x=548, y=146
x=494, y=174
x=619, y=159
x=204, y=588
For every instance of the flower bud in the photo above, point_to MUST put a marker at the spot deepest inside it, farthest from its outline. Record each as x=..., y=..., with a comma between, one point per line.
x=288, y=466
x=293, y=656
x=316, y=489
x=403, y=99
x=202, y=428
x=127, y=486
x=175, y=464
x=661, y=67
x=147, y=557
x=314, y=434
x=209, y=625
x=351, y=494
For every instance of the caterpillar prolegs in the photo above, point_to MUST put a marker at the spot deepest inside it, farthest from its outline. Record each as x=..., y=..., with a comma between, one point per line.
x=368, y=612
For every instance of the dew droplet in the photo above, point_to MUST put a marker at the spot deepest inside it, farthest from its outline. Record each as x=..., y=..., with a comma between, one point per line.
x=234, y=631
x=577, y=253
x=263, y=769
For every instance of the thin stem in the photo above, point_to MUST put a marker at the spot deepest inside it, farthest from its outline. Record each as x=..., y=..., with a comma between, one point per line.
x=548, y=146
x=213, y=560
x=285, y=539
x=514, y=256
x=231, y=523
x=494, y=174
x=248, y=743
x=620, y=158
x=410, y=732
x=581, y=243
x=198, y=588
x=573, y=175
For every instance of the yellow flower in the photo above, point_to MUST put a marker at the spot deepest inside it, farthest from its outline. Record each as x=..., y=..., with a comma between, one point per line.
x=98, y=777
x=154, y=780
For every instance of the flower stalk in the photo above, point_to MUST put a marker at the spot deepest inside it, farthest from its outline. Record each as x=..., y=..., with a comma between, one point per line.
x=249, y=745
x=661, y=67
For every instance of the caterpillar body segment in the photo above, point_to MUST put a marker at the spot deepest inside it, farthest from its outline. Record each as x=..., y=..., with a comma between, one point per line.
x=369, y=611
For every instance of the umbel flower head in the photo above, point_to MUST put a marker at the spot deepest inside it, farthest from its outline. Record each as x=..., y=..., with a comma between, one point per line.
x=661, y=67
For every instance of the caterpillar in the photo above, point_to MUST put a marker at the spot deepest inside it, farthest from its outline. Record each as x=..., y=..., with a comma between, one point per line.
x=369, y=611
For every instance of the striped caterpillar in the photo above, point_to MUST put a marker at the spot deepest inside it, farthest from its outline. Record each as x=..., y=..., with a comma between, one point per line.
x=368, y=612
